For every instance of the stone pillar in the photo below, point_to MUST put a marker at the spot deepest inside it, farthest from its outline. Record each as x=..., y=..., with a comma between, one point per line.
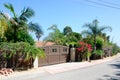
x=72, y=54
x=36, y=62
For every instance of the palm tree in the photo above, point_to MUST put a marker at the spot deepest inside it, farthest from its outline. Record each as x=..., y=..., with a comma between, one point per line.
x=37, y=29
x=19, y=22
x=56, y=36
x=105, y=37
x=67, y=30
x=94, y=30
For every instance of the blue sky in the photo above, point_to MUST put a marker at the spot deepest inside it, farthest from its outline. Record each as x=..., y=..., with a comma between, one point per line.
x=73, y=13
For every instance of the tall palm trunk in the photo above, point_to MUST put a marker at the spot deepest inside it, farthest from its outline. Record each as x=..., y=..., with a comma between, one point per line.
x=94, y=47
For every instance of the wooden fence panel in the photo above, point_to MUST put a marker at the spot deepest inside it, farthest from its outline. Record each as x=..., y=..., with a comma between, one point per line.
x=54, y=55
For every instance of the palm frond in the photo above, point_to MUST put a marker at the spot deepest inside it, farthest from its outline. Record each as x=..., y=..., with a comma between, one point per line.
x=35, y=28
x=10, y=8
x=87, y=25
x=26, y=13
x=106, y=28
x=53, y=27
x=86, y=32
x=90, y=27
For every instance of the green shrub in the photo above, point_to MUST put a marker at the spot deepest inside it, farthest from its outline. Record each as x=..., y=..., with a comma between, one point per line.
x=99, y=52
x=115, y=49
x=99, y=43
x=18, y=53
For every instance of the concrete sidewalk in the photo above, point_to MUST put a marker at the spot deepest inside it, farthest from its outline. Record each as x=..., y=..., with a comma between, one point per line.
x=53, y=69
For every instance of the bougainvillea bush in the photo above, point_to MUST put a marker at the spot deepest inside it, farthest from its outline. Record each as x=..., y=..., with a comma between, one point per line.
x=85, y=50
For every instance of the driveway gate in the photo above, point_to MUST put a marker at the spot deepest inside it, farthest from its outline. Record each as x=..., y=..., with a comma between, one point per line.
x=54, y=54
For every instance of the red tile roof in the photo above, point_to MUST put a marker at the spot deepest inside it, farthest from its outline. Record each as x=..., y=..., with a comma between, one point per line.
x=42, y=43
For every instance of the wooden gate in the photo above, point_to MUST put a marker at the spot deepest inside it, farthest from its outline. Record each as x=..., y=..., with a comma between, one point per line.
x=54, y=54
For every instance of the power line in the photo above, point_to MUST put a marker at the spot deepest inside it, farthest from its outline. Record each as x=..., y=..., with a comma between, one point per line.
x=110, y=3
x=117, y=1
x=101, y=4
x=82, y=2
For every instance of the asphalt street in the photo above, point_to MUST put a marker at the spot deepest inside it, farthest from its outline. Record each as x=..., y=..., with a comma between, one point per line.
x=105, y=71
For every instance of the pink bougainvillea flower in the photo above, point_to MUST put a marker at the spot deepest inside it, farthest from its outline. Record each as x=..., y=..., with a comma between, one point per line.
x=84, y=47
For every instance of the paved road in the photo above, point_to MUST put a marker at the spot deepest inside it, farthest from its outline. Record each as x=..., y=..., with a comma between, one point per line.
x=104, y=71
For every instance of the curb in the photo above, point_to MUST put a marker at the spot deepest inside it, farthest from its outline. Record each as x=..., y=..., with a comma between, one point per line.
x=58, y=68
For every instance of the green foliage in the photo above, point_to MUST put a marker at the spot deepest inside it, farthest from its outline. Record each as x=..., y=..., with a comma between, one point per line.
x=105, y=37
x=10, y=8
x=99, y=52
x=22, y=36
x=89, y=54
x=56, y=36
x=18, y=30
x=115, y=49
x=67, y=30
x=26, y=13
x=73, y=37
x=66, y=38
x=37, y=29
x=20, y=48
x=108, y=49
x=99, y=43
x=94, y=30
x=3, y=25
x=19, y=55
x=25, y=37
x=88, y=40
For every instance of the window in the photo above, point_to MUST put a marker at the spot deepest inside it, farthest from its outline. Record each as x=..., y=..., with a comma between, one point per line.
x=64, y=49
x=54, y=50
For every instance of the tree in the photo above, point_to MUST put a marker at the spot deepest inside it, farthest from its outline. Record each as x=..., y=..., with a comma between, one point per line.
x=56, y=36
x=67, y=30
x=94, y=30
x=19, y=22
x=17, y=32
x=99, y=43
x=37, y=29
x=105, y=37
x=4, y=23
x=72, y=38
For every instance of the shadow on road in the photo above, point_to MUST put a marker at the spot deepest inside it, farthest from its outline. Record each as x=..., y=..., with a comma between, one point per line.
x=108, y=77
x=116, y=75
x=116, y=66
